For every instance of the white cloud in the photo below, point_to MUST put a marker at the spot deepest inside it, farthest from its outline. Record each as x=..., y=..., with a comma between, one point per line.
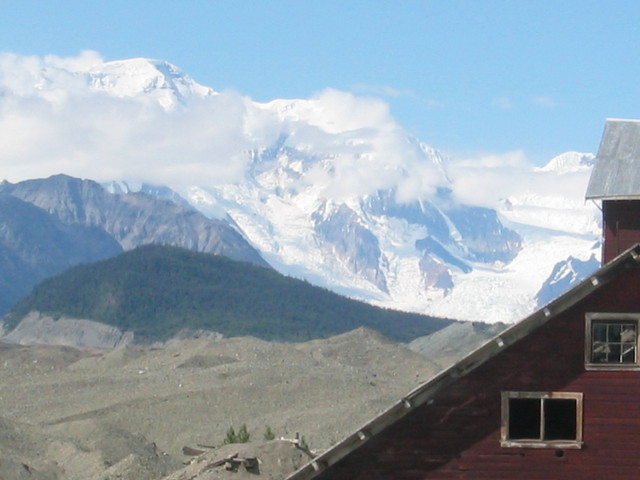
x=82, y=63
x=53, y=120
x=366, y=147
x=543, y=101
x=367, y=160
x=335, y=111
x=488, y=180
x=514, y=158
x=503, y=102
x=386, y=91
x=105, y=139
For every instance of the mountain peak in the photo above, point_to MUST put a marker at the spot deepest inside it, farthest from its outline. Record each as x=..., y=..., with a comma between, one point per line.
x=570, y=162
x=159, y=79
x=139, y=67
x=146, y=80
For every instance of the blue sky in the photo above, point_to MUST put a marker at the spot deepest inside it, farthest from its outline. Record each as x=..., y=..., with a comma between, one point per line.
x=466, y=77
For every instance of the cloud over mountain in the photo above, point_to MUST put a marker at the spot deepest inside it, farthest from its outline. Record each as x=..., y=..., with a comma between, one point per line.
x=128, y=120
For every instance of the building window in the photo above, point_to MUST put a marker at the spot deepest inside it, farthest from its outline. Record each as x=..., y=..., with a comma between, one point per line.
x=611, y=341
x=541, y=420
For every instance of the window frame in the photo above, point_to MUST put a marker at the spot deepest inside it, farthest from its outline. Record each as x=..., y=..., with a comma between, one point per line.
x=507, y=442
x=600, y=317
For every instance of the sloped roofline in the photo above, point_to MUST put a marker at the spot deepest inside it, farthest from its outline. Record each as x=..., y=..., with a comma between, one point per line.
x=423, y=393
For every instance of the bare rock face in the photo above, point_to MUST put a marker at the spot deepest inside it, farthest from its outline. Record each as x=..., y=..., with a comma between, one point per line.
x=347, y=241
x=133, y=219
x=38, y=329
x=35, y=245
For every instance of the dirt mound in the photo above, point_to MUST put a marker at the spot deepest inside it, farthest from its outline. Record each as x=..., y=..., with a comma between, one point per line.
x=127, y=413
x=23, y=453
x=448, y=345
x=272, y=460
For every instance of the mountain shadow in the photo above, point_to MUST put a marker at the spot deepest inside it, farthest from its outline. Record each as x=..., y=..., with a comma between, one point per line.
x=35, y=245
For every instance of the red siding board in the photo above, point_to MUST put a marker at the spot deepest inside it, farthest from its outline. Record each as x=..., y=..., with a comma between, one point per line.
x=621, y=220
x=457, y=435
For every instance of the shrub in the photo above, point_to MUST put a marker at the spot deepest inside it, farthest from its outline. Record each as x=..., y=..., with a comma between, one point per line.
x=241, y=436
x=268, y=434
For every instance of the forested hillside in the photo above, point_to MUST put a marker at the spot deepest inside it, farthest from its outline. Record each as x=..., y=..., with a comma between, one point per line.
x=156, y=291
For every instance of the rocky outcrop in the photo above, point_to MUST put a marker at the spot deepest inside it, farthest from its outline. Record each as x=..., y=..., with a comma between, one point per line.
x=38, y=329
x=565, y=274
x=346, y=240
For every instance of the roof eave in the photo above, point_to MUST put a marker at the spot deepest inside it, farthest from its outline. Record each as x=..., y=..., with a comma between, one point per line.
x=612, y=197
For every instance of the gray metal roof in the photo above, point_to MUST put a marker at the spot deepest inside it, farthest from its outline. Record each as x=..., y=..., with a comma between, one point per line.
x=616, y=175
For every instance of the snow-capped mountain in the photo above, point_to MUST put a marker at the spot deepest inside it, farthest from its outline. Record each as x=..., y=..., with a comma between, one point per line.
x=428, y=255
x=140, y=77
x=330, y=189
x=150, y=81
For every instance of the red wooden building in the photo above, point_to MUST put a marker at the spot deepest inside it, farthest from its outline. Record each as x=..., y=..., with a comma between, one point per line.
x=556, y=396
x=615, y=181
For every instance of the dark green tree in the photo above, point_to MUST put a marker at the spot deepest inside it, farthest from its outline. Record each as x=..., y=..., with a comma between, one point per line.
x=268, y=434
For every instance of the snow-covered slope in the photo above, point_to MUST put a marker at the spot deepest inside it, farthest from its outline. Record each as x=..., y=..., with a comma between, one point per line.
x=157, y=80
x=559, y=229
x=148, y=81
x=428, y=255
x=330, y=189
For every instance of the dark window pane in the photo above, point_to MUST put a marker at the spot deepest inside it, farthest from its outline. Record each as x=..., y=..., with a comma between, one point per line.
x=560, y=419
x=599, y=332
x=614, y=332
x=614, y=352
x=524, y=418
x=628, y=353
